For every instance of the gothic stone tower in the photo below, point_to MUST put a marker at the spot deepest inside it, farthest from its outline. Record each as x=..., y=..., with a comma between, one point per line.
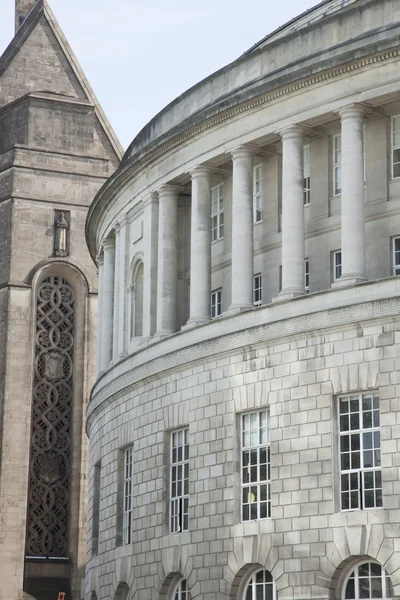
x=56, y=150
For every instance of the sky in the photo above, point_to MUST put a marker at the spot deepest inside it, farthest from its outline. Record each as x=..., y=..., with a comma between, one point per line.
x=139, y=55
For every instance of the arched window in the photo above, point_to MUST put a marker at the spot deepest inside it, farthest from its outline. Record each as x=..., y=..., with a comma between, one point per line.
x=49, y=464
x=260, y=587
x=182, y=591
x=137, y=301
x=368, y=581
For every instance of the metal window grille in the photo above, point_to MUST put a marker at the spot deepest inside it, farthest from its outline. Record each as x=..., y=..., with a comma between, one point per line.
x=337, y=164
x=396, y=146
x=359, y=452
x=128, y=496
x=256, y=477
x=396, y=256
x=182, y=591
x=368, y=581
x=217, y=212
x=337, y=265
x=179, y=484
x=257, y=194
x=307, y=275
x=216, y=304
x=257, y=290
x=306, y=175
x=261, y=587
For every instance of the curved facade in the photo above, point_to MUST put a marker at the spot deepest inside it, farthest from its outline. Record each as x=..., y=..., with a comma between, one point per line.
x=244, y=426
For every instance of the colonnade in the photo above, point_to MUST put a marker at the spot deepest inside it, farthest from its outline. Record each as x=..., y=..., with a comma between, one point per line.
x=111, y=285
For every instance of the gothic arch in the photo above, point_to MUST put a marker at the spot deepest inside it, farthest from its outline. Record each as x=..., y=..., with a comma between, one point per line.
x=136, y=291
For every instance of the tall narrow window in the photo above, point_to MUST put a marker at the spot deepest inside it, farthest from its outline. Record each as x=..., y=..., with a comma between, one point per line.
x=337, y=265
x=360, y=452
x=396, y=255
x=306, y=174
x=182, y=591
x=256, y=499
x=138, y=301
x=217, y=212
x=49, y=464
x=128, y=496
x=179, y=477
x=261, y=587
x=257, y=194
x=368, y=581
x=307, y=275
x=337, y=164
x=396, y=146
x=216, y=303
x=96, y=508
x=257, y=290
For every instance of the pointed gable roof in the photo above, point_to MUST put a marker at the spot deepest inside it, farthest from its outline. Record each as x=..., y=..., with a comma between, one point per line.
x=39, y=59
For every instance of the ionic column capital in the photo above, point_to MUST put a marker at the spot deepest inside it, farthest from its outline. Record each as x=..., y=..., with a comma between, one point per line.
x=201, y=171
x=100, y=259
x=353, y=111
x=108, y=244
x=168, y=189
x=242, y=152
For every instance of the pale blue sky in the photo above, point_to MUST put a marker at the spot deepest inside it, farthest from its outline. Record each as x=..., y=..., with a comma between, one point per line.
x=140, y=54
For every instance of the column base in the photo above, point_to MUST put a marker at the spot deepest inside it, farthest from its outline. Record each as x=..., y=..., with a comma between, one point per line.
x=234, y=309
x=288, y=295
x=194, y=322
x=349, y=280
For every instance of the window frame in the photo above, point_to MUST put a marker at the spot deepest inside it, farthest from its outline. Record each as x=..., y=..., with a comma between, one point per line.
x=216, y=303
x=217, y=216
x=178, y=593
x=257, y=289
x=336, y=265
x=362, y=432
x=394, y=252
x=127, y=502
x=257, y=194
x=394, y=146
x=307, y=275
x=355, y=569
x=247, y=485
x=179, y=502
x=337, y=164
x=307, y=174
x=252, y=582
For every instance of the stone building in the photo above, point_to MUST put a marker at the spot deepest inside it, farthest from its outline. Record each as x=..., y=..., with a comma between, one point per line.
x=245, y=426
x=56, y=150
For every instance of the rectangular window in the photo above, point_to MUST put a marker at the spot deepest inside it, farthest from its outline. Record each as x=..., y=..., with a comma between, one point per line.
x=257, y=290
x=396, y=146
x=179, y=481
x=216, y=304
x=96, y=508
x=337, y=164
x=257, y=194
x=217, y=212
x=128, y=496
x=306, y=174
x=307, y=275
x=359, y=452
x=396, y=255
x=256, y=478
x=337, y=265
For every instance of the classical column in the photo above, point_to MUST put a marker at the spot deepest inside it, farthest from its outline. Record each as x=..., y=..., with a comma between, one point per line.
x=100, y=263
x=200, y=246
x=292, y=214
x=150, y=235
x=167, y=260
x=108, y=303
x=242, y=230
x=121, y=266
x=352, y=200
x=116, y=313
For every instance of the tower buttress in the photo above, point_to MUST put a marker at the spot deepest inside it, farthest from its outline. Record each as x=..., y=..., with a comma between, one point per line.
x=22, y=8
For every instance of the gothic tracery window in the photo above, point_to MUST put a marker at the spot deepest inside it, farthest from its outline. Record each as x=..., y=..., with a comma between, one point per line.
x=49, y=463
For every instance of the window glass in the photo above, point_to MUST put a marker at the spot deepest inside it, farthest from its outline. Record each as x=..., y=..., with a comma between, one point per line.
x=307, y=275
x=396, y=256
x=257, y=194
x=256, y=477
x=368, y=580
x=217, y=212
x=182, y=591
x=257, y=290
x=337, y=265
x=128, y=496
x=337, y=164
x=306, y=174
x=261, y=587
x=396, y=146
x=216, y=304
x=179, y=481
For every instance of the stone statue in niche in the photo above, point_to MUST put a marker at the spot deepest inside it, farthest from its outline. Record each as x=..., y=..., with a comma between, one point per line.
x=60, y=235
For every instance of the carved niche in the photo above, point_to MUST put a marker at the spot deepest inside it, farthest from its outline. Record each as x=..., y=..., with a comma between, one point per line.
x=49, y=465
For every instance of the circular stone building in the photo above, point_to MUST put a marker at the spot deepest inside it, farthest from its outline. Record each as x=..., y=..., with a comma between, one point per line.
x=245, y=423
